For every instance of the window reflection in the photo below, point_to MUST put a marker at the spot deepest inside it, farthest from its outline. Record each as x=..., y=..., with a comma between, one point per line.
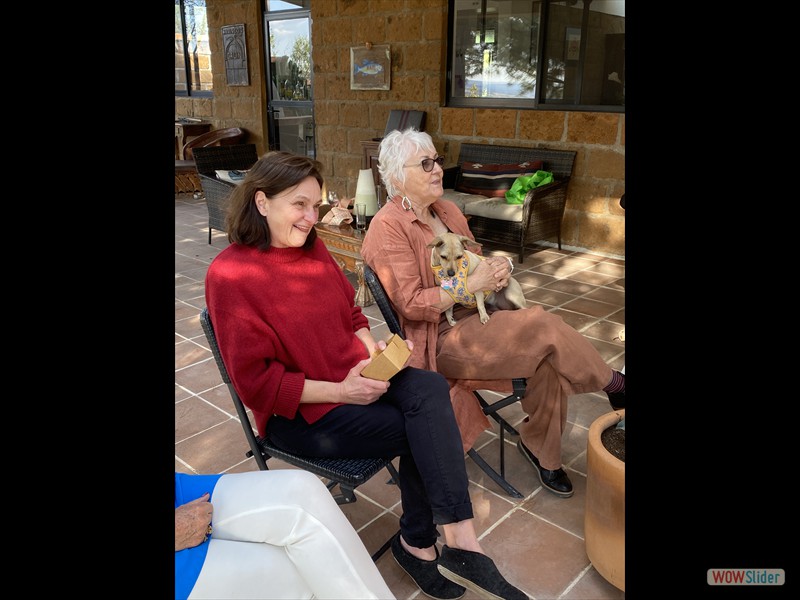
x=192, y=52
x=502, y=49
x=494, y=49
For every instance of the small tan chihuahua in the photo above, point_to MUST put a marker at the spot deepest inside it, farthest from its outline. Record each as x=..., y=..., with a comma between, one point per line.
x=452, y=263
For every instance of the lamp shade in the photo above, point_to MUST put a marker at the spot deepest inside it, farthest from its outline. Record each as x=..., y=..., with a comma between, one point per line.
x=365, y=191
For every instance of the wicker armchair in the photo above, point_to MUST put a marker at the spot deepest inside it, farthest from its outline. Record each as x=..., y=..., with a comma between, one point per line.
x=186, y=179
x=539, y=217
x=209, y=160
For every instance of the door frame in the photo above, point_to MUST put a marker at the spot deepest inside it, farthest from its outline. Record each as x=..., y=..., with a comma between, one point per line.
x=275, y=105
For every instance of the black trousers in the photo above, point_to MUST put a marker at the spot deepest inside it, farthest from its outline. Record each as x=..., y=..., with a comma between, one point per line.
x=413, y=420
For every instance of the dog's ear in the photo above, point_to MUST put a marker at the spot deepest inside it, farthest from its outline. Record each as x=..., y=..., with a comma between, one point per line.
x=435, y=242
x=468, y=242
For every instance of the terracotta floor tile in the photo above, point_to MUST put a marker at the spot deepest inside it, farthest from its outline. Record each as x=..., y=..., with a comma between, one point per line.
x=587, y=306
x=536, y=541
x=194, y=415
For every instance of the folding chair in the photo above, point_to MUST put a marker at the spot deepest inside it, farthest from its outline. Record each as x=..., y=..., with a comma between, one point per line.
x=489, y=409
x=347, y=473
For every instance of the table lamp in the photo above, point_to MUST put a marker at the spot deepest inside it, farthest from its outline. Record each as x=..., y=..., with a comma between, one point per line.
x=365, y=191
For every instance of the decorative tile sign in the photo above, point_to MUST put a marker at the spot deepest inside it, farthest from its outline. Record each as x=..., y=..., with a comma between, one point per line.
x=235, y=46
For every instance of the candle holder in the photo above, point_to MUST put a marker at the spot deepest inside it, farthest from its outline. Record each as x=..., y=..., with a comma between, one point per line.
x=365, y=192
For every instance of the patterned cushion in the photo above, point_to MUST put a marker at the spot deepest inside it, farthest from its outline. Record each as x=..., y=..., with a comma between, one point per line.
x=491, y=179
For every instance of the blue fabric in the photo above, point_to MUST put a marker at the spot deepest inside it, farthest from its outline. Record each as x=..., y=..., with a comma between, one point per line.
x=189, y=561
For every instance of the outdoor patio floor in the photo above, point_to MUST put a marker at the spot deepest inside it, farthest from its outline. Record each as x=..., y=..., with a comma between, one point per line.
x=537, y=542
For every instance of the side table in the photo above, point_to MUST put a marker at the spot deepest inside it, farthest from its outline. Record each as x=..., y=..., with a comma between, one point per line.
x=185, y=130
x=344, y=243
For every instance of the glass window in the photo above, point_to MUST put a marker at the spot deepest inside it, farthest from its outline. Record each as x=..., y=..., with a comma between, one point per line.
x=192, y=53
x=276, y=5
x=567, y=54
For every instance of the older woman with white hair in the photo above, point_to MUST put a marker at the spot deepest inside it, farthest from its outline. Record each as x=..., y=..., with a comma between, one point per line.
x=556, y=360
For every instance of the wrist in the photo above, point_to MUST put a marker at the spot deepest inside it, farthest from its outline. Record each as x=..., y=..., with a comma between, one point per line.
x=339, y=393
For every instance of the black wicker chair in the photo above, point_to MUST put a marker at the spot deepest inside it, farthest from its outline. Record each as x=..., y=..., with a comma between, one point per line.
x=496, y=221
x=186, y=179
x=490, y=410
x=347, y=473
x=212, y=158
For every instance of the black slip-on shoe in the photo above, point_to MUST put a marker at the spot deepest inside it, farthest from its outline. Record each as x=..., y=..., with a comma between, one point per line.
x=616, y=399
x=478, y=573
x=556, y=481
x=425, y=574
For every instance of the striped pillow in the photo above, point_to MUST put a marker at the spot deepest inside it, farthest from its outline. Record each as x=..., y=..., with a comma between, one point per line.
x=492, y=180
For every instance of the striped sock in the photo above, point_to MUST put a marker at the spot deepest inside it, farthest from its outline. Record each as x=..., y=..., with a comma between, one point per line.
x=617, y=383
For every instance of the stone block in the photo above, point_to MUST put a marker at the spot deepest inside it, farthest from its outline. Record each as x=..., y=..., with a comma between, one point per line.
x=495, y=123
x=592, y=128
x=541, y=125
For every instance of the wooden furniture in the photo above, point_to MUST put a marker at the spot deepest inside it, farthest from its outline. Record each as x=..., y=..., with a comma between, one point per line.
x=344, y=243
x=519, y=385
x=216, y=137
x=186, y=179
x=398, y=119
x=347, y=473
x=184, y=130
x=403, y=119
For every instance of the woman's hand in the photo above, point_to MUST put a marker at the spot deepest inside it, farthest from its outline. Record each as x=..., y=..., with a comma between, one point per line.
x=191, y=522
x=490, y=274
x=356, y=389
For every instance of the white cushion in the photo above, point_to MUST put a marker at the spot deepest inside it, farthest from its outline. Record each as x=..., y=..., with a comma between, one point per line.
x=495, y=208
x=460, y=198
x=225, y=175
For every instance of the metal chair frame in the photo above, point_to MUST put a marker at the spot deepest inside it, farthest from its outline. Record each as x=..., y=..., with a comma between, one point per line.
x=489, y=408
x=347, y=473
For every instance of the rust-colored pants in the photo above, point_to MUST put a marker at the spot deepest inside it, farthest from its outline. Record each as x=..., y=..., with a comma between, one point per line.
x=557, y=361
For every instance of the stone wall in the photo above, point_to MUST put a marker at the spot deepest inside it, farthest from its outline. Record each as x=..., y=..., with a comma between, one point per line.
x=416, y=30
x=233, y=106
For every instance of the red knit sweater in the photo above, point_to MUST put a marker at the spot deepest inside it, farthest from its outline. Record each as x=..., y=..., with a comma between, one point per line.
x=282, y=316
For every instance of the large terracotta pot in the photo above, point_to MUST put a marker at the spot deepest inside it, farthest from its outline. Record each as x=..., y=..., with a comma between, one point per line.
x=604, y=521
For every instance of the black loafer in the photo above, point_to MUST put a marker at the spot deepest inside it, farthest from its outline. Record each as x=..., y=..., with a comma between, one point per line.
x=425, y=574
x=478, y=573
x=616, y=399
x=556, y=481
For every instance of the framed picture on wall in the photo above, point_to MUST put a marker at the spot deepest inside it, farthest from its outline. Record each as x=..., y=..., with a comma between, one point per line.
x=572, y=44
x=370, y=67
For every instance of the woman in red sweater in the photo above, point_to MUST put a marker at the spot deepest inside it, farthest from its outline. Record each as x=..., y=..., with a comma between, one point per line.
x=294, y=343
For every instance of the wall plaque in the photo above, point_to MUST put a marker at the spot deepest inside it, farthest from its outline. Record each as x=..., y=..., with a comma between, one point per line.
x=370, y=67
x=235, y=46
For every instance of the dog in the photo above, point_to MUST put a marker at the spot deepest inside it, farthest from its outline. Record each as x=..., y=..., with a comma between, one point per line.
x=452, y=263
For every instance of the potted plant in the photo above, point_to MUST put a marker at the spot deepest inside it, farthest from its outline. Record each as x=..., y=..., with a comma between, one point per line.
x=604, y=520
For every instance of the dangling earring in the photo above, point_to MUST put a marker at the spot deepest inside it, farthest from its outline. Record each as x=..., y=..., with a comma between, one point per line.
x=405, y=201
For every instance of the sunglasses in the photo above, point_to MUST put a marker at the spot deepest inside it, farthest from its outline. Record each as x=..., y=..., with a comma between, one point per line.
x=427, y=163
